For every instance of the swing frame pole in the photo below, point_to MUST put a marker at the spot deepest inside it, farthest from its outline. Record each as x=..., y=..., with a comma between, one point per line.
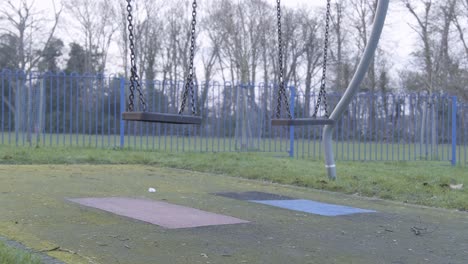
x=353, y=88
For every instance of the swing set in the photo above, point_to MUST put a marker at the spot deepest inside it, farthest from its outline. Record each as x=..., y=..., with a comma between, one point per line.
x=328, y=121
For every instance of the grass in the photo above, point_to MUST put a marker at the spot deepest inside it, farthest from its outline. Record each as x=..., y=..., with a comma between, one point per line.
x=419, y=182
x=361, y=149
x=9, y=255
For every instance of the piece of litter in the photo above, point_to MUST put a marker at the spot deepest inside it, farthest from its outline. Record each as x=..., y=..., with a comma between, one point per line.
x=456, y=186
x=204, y=255
x=152, y=190
x=419, y=230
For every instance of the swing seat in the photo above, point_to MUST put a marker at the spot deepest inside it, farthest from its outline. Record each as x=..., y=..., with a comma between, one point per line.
x=161, y=118
x=302, y=122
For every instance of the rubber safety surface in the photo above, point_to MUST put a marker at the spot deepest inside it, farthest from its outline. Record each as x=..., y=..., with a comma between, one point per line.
x=163, y=214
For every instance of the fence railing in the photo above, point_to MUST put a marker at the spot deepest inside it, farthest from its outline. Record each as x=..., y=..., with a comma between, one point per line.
x=85, y=110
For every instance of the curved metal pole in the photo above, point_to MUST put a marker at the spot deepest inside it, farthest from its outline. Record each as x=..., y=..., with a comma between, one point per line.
x=354, y=86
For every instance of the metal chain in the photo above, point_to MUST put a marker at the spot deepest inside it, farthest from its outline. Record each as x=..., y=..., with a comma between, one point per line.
x=192, y=91
x=134, y=79
x=282, y=89
x=323, y=91
x=189, y=84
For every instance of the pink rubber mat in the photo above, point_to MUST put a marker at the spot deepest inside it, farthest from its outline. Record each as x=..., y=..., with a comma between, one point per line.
x=159, y=213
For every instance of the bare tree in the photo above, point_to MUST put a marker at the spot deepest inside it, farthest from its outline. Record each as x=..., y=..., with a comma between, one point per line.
x=96, y=21
x=243, y=25
x=361, y=17
x=295, y=44
x=313, y=55
x=172, y=29
x=460, y=20
x=424, y=30
x=364, y=12
x=24, y=22
x=176, y=45
x=149, y=37
x=433, y=25
x=342, y=67
x=211, y=54
x=239, y=55
x=31, y=27
x=444, y=62
x=123, y=42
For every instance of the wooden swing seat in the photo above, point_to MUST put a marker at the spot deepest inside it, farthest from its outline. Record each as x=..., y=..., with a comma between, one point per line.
x=302, y=122
x=154, y=117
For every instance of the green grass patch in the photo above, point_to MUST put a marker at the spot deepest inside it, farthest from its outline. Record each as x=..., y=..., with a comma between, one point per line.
x=304, y=147
x=9, y=255
x=419, y=182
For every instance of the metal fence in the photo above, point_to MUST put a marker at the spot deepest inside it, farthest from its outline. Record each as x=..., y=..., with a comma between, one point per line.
x=85, y=110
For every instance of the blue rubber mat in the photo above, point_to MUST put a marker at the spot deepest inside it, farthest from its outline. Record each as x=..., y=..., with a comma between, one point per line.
x=312, y=207
x=257, y=196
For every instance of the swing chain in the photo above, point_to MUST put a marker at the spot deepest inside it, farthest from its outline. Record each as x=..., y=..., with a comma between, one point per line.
x=323, y=91
x=282, y=86
x=189, y=84
x=134, y=79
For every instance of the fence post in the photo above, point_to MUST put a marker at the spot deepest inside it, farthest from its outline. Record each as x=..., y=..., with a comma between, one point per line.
x=122, y=109
x=291, y=128
x=454, y=131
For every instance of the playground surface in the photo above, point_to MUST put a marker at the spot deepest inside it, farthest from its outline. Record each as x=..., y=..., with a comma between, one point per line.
x=36, y=210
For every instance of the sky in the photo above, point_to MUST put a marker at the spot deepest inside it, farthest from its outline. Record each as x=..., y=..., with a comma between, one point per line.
x=397, y=35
